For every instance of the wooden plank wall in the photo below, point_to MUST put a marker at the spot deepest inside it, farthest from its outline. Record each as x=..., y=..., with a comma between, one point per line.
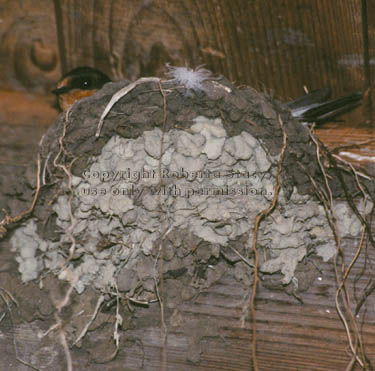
x=276, y=45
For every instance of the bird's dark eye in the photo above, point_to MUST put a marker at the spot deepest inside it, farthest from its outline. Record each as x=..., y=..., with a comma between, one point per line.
x=82, y=82
x=85, y=83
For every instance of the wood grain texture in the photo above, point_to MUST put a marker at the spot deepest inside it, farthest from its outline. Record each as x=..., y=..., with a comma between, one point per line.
x=291, y=336
x=20, y=108
x=24, y=118
x=277, y=45
x=29, y=55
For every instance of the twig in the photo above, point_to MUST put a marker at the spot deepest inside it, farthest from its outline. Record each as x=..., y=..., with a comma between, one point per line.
x=162, y=243
x=338, y=251
x=7, y=219
x=66, y=170
x=331, y=217
x=63, y=340
x=88, y=324
x=118, y=322
x=347, y=163
x=45, y=168
x=313, y=138
x=241, y=257
x=161, y=303
x=358, y=336
x=68, y=356
x=118, y=95
x=258, y=219
x=141, y=302
x=59, y=326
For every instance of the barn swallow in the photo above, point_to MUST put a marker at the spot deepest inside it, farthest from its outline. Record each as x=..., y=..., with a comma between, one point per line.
x=315, y=106
x=78, y=83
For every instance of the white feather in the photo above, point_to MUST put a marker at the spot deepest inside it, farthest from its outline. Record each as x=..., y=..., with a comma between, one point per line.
x=190, y=78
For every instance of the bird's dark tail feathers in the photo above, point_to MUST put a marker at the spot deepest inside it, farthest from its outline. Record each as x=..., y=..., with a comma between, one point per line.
x=314, y=107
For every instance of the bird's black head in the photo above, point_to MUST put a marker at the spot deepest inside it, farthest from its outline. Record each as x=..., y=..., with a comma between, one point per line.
x=81, y=78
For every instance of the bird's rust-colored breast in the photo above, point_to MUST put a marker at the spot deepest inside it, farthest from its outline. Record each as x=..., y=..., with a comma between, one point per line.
x=69, y=98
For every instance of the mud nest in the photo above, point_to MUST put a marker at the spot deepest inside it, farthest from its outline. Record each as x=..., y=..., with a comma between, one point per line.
x=163, y=202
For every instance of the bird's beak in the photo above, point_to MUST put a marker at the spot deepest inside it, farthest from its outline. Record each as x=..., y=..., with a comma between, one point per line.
x=62, y=90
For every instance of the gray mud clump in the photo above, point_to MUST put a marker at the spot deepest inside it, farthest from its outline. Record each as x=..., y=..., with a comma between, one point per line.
x=184, y=191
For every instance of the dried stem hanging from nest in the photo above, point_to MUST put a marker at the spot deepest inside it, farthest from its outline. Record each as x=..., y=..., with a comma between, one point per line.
x=258, y=219
x=7, y=219
x=325, y=195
